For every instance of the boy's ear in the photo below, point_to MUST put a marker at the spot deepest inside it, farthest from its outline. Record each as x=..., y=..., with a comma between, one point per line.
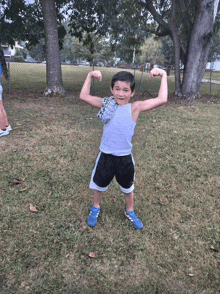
x=111, y=89
x=132, y=94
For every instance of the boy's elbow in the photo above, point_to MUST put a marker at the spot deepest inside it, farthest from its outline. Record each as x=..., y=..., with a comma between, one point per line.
x=81, y=97
x=164, y=100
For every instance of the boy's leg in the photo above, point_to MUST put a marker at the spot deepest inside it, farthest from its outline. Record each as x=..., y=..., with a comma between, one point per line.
x=125, y=178
x=97, y=198
x=102, y=175
x=129, y=199
x=95, y=209
x=129, y=213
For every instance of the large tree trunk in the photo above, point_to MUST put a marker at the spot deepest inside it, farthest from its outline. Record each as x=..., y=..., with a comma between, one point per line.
x=199, y=47
x=192, y=51
x=53, y=66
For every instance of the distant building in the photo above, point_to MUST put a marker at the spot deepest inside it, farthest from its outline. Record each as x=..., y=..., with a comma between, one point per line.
x=9, y=52
x=215, y=65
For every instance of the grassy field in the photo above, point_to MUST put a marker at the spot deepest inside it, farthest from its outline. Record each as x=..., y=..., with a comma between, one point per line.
x=46, y=162
x=33, y=76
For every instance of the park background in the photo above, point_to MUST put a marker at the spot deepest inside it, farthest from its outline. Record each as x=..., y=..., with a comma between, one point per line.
x=47, y=159
x=32, y=76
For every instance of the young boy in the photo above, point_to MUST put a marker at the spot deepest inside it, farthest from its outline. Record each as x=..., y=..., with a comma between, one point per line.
x=119, y=118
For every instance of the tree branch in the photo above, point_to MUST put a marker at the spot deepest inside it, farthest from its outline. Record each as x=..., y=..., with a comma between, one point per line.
x=185, y=15
x=148, y=4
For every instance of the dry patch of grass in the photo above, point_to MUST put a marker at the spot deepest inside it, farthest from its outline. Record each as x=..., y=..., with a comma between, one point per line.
x=52, y=149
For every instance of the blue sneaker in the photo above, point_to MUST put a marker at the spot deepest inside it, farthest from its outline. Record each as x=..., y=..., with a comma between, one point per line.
x=131, y=216
x=93, y=217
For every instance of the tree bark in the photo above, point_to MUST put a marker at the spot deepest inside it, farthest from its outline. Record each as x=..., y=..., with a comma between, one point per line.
x=53, y=65
x=176, y=42
x=199, y=47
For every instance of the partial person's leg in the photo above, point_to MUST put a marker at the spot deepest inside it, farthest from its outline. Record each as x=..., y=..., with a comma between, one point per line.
x=3, y=117
x=3, y=121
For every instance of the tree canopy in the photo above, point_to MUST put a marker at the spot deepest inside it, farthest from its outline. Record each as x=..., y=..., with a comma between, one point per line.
x=119, y=21
x=151, y=51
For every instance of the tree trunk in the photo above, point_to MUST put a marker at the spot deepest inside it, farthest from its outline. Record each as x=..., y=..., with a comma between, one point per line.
x=193, y=52
x=199, y=47
x=176, y=42
x=53, y=65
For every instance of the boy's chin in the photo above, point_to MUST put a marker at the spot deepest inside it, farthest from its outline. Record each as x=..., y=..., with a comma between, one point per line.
x=122, y=101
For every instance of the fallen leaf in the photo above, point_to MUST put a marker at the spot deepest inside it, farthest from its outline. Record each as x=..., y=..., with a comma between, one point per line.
x=213, y=248
x=33, y=231
x=23, y=190
x=191, y=275
x=55, y=241
x=32, y=208
x=67, y=255
x=92, y=254
x=17, y=181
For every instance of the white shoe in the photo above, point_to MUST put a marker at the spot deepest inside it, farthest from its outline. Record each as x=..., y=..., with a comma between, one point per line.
x=8, y=128
x=4, y=133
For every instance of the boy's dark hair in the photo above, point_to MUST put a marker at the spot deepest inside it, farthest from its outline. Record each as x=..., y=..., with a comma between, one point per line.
x=124, y=76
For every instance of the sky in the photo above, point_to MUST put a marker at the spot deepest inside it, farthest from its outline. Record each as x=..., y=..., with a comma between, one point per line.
x=29, y=1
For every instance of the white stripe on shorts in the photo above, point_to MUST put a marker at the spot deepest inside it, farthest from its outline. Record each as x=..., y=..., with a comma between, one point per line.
x=93, y=185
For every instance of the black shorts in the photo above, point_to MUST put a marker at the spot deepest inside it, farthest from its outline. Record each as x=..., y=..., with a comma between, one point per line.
x=107, y=166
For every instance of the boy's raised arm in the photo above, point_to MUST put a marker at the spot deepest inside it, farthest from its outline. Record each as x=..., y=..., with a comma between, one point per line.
x=163, y=92
x=85, y=92
x=140, y=106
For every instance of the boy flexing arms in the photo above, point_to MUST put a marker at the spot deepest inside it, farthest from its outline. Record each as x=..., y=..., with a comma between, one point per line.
x=119, y=118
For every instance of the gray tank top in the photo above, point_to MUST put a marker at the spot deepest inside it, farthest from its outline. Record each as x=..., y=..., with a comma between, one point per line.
x=117, y=134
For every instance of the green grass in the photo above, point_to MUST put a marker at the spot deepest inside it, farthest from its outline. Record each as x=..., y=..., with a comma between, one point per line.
x=52, y=148
x=33, y=76
x=214, y=75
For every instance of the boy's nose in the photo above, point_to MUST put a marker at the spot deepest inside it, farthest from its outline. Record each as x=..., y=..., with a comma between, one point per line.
x=120, y=93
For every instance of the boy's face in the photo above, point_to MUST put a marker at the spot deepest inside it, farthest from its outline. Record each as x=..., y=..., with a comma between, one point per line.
x=122, y=92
